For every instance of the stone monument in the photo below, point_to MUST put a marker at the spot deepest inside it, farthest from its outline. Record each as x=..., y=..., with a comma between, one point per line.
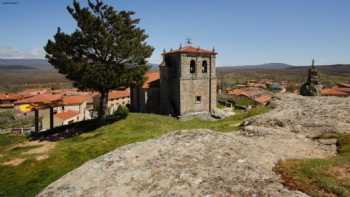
x=312, y=87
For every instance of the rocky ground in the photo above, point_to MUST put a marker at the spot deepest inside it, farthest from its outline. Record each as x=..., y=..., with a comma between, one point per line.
x=207, y=163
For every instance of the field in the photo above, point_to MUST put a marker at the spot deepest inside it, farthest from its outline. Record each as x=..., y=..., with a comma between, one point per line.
x=28, y=167
x=329, y=75
x=15, y=80
x=320, y=177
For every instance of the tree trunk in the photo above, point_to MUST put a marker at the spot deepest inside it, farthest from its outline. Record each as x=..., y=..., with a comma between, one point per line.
x=103, y=110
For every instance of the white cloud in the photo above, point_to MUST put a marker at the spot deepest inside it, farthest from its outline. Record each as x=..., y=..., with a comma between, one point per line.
x=10, y=52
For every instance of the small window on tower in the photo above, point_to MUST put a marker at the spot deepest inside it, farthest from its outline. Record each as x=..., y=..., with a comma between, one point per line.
x=198, y=99
x=204, y=66
x=192, y=66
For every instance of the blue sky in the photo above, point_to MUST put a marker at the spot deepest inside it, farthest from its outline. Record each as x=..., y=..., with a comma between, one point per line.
x=243, y=32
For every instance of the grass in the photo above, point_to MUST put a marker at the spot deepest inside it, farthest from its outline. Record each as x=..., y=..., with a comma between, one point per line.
x=320, y=177
x=30, y=177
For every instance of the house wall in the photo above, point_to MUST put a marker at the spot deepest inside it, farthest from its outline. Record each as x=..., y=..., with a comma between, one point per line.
x=44, y=115
x=114, y=104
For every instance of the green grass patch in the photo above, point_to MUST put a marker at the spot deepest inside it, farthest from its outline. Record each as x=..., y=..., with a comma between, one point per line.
x=30, y=177
x=320, y=177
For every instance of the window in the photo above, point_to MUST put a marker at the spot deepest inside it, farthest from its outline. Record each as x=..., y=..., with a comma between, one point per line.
x=204, y=66
x=192, y=66
x=198, y=99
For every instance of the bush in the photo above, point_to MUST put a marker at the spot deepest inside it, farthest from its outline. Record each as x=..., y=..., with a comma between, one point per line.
x=121, y=113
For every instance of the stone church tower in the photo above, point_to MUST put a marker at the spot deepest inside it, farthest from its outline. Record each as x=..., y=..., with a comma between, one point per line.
x=188, y=81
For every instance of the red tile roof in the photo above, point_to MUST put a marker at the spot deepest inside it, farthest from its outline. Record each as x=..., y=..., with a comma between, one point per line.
x=190, y=49
x=238, y=92
x=345, y=85
x=9, y=97
x=115, y=94
x=333, y=92
x=151, y=76
x=263, y=99
x=75, y=100
x=32, y=92
x=346, y=90
x=65, y=115
x=41, y=99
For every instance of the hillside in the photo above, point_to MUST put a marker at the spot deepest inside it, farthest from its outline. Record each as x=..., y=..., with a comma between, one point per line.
x=270, y=66
x=329, y=74
x=41, y=64
x=16, y=67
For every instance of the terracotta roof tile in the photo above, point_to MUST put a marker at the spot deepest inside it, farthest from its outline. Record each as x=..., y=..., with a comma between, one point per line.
x=151, y=77
x=333, y=92
x=115, y=94
x=346, y=90
x=263, y=99
x=10, y=96
x=237, y=92
x=74, y=100
x=191, y=49
x=65, y=115
x=345, y=85
x=41, y=99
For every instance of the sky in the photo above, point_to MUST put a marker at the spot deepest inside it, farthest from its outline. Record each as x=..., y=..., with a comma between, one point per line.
x=243, y=32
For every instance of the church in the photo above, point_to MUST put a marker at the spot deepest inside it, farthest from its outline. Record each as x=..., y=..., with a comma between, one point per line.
x=185, y=84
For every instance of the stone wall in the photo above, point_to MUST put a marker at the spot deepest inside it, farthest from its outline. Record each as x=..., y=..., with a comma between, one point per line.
x=198, y=84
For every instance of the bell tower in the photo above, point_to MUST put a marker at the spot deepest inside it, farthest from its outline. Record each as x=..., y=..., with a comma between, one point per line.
x=188, y=80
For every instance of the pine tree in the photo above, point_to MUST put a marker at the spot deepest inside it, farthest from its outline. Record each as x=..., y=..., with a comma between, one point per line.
x=107, y=50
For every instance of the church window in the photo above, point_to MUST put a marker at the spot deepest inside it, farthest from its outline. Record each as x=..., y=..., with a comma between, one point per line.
x=204, y=66
x=192, y=66
x=198, y=99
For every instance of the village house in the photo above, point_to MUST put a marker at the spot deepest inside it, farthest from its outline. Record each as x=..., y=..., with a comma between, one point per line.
x=258, y=95
x=117, y=98
x=54, y=110
x=186, y=84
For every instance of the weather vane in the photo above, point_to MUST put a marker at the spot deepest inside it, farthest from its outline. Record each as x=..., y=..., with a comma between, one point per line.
x=189, y=41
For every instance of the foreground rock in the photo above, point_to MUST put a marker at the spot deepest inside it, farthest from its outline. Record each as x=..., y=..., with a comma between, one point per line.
x=206, y=163
x=314, y=117
x=189, y=163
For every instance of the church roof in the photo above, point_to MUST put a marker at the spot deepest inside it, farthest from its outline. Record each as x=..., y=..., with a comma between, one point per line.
x=151, y=77
x=191, y=49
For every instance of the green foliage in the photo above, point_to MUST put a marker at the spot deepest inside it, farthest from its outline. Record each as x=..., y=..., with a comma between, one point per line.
x=8, y=119
x=32, y=176
x=122, y=112
x=107, y=51
x=316, y=177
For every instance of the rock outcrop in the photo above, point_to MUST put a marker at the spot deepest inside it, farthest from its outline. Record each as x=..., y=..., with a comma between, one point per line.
x=207, y=163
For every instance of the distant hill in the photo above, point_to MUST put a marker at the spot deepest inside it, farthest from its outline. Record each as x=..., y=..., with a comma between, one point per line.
x=269, y=66
x=41, y=64
x=21, y=64
x=16, y=67
x=153, y=67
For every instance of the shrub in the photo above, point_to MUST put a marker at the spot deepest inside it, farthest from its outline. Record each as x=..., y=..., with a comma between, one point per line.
x=121, y=113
